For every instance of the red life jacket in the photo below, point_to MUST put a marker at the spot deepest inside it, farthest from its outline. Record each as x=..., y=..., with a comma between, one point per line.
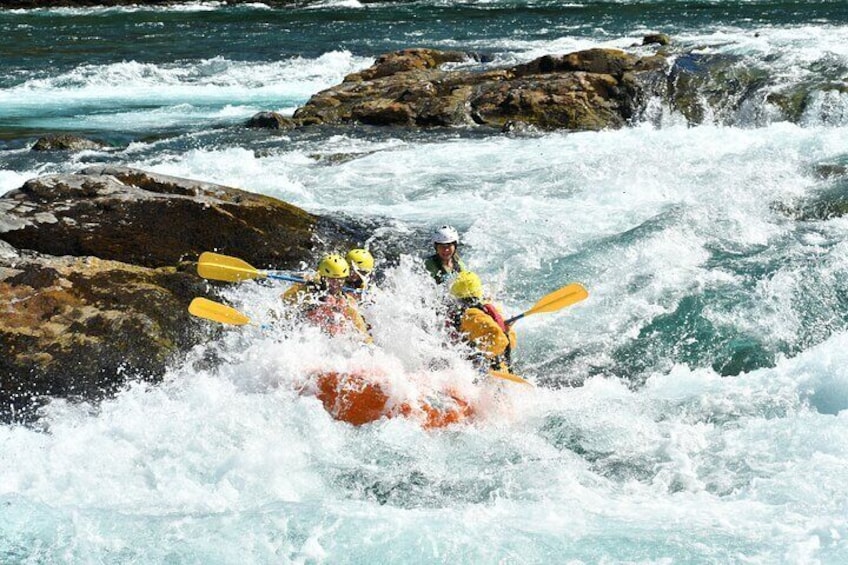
x=496, y=316
x=505, y=360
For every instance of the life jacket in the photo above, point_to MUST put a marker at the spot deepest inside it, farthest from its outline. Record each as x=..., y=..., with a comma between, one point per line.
x=334, y=314
x=468, y=325
x=496, y=316
x=437, y=270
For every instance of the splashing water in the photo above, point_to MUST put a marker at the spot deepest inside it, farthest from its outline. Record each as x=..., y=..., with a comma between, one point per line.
x=691, y=410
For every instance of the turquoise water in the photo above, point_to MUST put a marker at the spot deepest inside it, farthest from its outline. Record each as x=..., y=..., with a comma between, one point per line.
x=692, y=410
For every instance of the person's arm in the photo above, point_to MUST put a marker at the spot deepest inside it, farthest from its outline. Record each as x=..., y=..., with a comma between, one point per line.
x=434, y=267
x=483, y=332
x=352, y=313
x=293, y=294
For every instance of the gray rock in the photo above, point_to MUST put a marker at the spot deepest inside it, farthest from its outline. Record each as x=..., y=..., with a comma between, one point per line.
x=156, y=220
x=66, y=142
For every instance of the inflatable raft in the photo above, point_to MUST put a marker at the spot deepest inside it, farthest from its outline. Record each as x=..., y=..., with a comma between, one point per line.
x=358, y=398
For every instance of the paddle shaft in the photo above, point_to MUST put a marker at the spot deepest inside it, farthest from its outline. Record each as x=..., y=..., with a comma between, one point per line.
x=219, y=267
x=515, y=319
x=279, y=277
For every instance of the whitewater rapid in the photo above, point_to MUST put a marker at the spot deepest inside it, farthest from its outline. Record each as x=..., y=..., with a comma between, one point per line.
x=233, y=465
x=693, y=409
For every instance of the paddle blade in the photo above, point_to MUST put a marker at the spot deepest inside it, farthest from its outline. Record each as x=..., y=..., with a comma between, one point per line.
x=566, y=296
x=221, y=313
x=225, y=268
x=509, y=377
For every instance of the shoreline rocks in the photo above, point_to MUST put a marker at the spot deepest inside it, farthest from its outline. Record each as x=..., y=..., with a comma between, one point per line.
x=80, y=327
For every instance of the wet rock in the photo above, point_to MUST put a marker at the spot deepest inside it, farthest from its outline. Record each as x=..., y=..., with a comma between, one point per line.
x=155, y=220
x=517, y=128
x=80, y=327
x=66, y=142
x=791, y=101
x=94, y=288
x=270, y=120
x=586, y=90
x=407, y=60
x=656, y=39
x=829, y=202
x=722, y=88
x=334, y=159
x=831, y=170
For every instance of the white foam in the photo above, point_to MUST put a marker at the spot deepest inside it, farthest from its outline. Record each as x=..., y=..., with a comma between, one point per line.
x=140, y=96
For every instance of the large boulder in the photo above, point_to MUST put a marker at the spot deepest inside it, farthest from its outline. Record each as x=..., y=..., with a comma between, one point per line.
x=78, y=327
x=586, y=90
x=156, y=220
x=97, y=270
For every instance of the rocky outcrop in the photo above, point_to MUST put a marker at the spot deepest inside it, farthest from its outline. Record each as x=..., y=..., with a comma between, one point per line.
x=587, y=90
x=96, y=273
x=78, y=327
x=155, y=220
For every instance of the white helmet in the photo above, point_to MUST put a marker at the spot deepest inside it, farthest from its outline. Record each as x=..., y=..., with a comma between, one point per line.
x=445, y=234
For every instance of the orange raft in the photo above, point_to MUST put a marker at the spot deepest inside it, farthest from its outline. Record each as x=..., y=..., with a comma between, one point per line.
x=357, y=399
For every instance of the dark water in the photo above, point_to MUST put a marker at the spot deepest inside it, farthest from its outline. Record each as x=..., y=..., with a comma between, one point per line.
x=44, y=42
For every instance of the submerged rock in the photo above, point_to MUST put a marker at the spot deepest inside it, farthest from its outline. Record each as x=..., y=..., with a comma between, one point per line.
x=722, y=88
x=65, y=142
x=93, y=287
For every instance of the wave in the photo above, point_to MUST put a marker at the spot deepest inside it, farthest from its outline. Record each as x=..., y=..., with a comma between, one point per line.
x=138, y=95
x=231, y=461
x=181, y=7
x=217, y=72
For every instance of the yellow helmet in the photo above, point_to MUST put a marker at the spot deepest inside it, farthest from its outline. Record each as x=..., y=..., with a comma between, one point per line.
x=333, y=266
x=467, y=285
x=361, y=260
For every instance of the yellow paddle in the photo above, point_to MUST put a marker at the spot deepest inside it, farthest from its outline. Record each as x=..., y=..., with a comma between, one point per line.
x=221, y=313
x=556, y=300
x=232, y=269
x=509, y=377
